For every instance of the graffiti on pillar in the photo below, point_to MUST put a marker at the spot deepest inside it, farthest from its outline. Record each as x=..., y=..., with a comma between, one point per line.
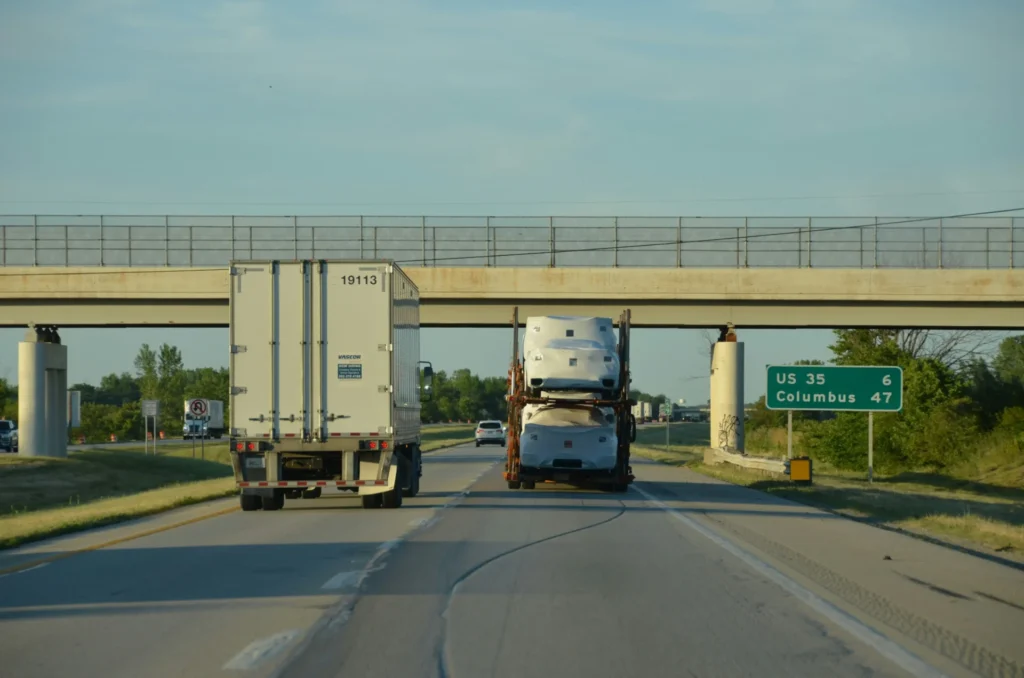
x=727, y=431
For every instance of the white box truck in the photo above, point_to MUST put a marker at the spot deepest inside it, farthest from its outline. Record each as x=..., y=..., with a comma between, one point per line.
x=204, y=418
x=325, y=381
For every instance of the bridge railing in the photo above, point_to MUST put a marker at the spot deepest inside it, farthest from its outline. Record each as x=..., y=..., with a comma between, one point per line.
x=797, y=242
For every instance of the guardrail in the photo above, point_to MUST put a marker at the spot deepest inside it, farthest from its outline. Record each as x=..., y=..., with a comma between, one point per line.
x=827, y=242
x=714, y=457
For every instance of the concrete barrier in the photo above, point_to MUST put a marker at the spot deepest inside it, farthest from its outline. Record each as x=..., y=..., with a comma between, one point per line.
x=714, y=457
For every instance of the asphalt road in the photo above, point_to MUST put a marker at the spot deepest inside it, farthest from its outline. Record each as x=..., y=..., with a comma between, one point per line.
x=471, y=579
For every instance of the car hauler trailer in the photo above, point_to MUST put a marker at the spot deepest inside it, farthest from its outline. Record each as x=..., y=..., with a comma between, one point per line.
x=524, y=402
x=325, y=381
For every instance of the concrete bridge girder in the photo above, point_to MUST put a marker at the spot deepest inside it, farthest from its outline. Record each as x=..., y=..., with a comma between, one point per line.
x=484, y=297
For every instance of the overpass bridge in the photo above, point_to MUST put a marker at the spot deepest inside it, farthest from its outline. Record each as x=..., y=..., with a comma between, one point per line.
x=109, y=271
x=174, y=271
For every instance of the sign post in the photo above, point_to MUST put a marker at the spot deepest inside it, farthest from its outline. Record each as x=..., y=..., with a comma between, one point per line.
x=789, y=434
x=668, y=424
x=197, y=408
x=836, y=388
x=150, y=408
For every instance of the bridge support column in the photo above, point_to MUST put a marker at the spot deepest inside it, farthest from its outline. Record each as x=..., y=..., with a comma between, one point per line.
x=42, y=394
x=727, y=405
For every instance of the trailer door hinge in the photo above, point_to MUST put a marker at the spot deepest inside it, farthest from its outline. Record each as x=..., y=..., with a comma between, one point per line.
x=237, y=390
x=385, y=347
x=236, y=348
x=385, y=388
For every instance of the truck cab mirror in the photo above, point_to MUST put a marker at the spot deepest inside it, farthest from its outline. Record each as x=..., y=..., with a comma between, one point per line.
x=427, y=382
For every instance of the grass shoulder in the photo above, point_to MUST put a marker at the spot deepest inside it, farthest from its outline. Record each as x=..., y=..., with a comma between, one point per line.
x=980, y=503
x=44, y=497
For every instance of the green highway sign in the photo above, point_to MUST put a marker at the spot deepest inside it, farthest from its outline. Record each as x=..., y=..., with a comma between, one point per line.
x=855, y=388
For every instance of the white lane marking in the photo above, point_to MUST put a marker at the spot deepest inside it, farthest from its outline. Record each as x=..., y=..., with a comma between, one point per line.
x=343, y=580
x=27, y=569
x=260, y=651
x=884, y=646
x=341, y=611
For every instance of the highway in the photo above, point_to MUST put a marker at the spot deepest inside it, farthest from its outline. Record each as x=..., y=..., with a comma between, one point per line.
x=681, y=576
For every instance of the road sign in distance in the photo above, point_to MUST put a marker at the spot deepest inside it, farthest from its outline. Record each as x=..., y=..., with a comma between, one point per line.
x=150, y=408
x=197, y=407
x=854, y=388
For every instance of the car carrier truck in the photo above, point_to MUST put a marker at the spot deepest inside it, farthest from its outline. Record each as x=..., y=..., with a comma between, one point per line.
x=570, y=417
x=326, y=382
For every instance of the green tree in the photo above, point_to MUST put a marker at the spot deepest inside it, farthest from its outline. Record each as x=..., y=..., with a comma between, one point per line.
x=1009, y=361
x=5, y=392
x=118, y=389
x=146, y=373
x=171, y=387
x=935, y=427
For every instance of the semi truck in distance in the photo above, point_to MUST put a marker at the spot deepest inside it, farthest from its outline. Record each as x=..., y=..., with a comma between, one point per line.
x=570, y=418
x=204, y=418
x=326, y=381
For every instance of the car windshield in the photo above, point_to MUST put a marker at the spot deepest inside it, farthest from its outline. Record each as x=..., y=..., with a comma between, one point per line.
x=6, y=425
x=490, y=424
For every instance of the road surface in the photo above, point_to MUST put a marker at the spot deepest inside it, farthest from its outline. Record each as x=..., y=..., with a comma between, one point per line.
x=681, y=576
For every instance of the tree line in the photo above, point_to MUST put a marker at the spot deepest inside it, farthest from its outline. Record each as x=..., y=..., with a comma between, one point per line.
x=957, y=404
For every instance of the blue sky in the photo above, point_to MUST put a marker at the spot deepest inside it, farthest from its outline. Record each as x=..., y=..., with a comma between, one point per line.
x=709, y=107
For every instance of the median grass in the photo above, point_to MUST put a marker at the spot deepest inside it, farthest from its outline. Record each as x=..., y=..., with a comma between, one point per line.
x=48, y=497
x=45, y=497
x=980, y=502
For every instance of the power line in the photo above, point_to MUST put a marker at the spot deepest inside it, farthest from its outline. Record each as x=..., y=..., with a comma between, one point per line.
x=730, y=238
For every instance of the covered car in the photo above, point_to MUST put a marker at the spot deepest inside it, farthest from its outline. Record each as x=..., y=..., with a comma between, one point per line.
x=568, y=437
x=572, y=364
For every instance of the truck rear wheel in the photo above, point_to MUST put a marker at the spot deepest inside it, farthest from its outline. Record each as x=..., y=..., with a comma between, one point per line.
x=392, y=499
x=371, y=501
x=514, y=484
x=311, y=493
x=529, y=484
x=250, y=502
x=275, y=502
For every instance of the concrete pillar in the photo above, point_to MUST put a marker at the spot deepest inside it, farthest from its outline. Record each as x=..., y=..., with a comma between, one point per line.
x=727, y=396
x=42, y=394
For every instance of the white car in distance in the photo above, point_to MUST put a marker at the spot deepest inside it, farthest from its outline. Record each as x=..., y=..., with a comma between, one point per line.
x=490, y=432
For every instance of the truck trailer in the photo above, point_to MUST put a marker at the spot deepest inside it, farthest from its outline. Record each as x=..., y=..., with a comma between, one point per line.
x=326, y=382
x=575, y=434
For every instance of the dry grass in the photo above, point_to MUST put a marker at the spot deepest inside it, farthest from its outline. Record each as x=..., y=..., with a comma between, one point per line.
x=981, y=503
